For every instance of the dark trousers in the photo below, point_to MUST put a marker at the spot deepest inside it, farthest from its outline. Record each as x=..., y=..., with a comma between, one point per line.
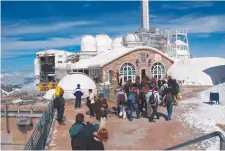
x=142, y=105
x=78, y=103
x=100, y=114
x=60, y=112
x=154, y=112
x=91, y=109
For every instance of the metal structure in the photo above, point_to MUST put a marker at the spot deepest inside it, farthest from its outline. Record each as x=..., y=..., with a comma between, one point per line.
x=202, y=138
x=38, y=139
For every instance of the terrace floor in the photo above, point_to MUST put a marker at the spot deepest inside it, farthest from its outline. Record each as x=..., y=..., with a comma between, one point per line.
x=123, y=134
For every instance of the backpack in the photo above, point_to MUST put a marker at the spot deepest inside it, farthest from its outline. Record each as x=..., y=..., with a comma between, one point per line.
x=132, y=98
x=169, y=98
x=121, y=99
x=153, y=99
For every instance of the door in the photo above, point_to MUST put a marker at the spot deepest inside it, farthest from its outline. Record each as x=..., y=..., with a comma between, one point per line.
x=143, y=73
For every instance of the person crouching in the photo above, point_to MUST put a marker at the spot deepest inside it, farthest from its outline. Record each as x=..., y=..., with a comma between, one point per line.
x=101, y=107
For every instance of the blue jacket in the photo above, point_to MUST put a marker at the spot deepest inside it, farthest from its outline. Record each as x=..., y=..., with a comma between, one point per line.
x=78, y=93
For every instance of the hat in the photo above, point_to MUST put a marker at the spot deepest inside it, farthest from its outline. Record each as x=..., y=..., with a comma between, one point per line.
x=101, y=94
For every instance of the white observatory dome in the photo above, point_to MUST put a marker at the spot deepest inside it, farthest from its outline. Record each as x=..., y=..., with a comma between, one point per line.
x=117, y=41
x=88, y=43
x=132, y=38
x=103, y=43
x=103, y=40
x=69, y=84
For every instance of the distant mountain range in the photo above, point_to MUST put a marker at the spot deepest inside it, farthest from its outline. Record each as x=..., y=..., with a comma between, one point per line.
x=13, y=81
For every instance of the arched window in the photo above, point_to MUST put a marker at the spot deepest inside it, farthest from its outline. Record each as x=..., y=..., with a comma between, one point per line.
x=127, y=71
x=158, y=70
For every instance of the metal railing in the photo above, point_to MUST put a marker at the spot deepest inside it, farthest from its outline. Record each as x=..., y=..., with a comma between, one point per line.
x=202, y=138
x=39, y=136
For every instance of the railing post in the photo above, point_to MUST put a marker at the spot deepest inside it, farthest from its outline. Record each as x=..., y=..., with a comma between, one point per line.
x=222, y=144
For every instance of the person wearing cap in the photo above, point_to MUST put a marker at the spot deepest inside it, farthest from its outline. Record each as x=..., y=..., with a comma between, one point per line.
x=101, y=107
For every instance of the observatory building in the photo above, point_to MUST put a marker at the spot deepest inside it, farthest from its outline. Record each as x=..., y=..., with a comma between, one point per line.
x=147, y=51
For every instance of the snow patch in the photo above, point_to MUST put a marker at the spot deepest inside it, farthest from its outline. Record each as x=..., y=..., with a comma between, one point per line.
x=203, y=116
x=199, y=71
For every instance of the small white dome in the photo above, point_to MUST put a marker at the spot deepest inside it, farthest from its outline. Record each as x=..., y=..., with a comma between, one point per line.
x=117, y=41
x=88, y=43
x=132, y=38
x=103, y=40
x=69, y=84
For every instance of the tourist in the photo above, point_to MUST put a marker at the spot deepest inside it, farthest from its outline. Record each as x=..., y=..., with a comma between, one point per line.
x=170, y=81
x=127, y=87
x=154, y=100
x=90, y=102
x=133, y=103
x=137, y=82
x=142, y=100
x=81, y=133
x=148, y=105
x=101, y=106
x=169, y=99
x=78, y=94
x=163, y=88
x=59, y=104
x=122, y=101
x=97, y=141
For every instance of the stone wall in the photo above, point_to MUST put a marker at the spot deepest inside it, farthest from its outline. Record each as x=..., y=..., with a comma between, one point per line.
x=132, y=57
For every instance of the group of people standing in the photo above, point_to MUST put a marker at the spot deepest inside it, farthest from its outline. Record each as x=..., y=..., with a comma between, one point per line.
x=145, y=97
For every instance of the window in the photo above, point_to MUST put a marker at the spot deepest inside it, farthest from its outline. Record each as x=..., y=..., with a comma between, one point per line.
x=158, y=70
x=143, y=58
x=127, y=71
x=60, y=56
x=59, y=61
x=86, y=71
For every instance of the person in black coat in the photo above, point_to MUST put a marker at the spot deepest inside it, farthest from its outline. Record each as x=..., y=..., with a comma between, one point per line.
x=81, y=133
x=97, y=141
x=59, y=103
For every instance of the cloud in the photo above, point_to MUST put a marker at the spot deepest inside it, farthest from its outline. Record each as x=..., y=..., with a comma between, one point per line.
x=187, y=5
x=11, y=30
x=13, y=45
x=196, y=24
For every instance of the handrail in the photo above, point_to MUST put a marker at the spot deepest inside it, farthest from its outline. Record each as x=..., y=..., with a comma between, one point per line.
x=202, y=138
x=38, y=138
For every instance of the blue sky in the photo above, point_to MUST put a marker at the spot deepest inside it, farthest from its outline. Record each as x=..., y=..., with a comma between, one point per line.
x=60, y=25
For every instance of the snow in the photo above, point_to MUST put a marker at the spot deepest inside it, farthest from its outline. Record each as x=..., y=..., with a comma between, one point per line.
x=204, y=116
x=199, y=71
x=69, y=84
x=49, y=94
x=17, y=78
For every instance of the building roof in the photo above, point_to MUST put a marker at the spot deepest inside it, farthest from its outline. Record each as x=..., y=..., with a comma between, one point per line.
x=53, y=51
x=111, y=55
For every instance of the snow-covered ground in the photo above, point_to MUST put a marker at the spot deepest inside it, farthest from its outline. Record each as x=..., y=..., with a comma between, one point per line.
x=203, y=116
x=199, y=71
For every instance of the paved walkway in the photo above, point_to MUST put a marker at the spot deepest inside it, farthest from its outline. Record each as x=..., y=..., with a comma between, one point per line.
x=123, y=134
